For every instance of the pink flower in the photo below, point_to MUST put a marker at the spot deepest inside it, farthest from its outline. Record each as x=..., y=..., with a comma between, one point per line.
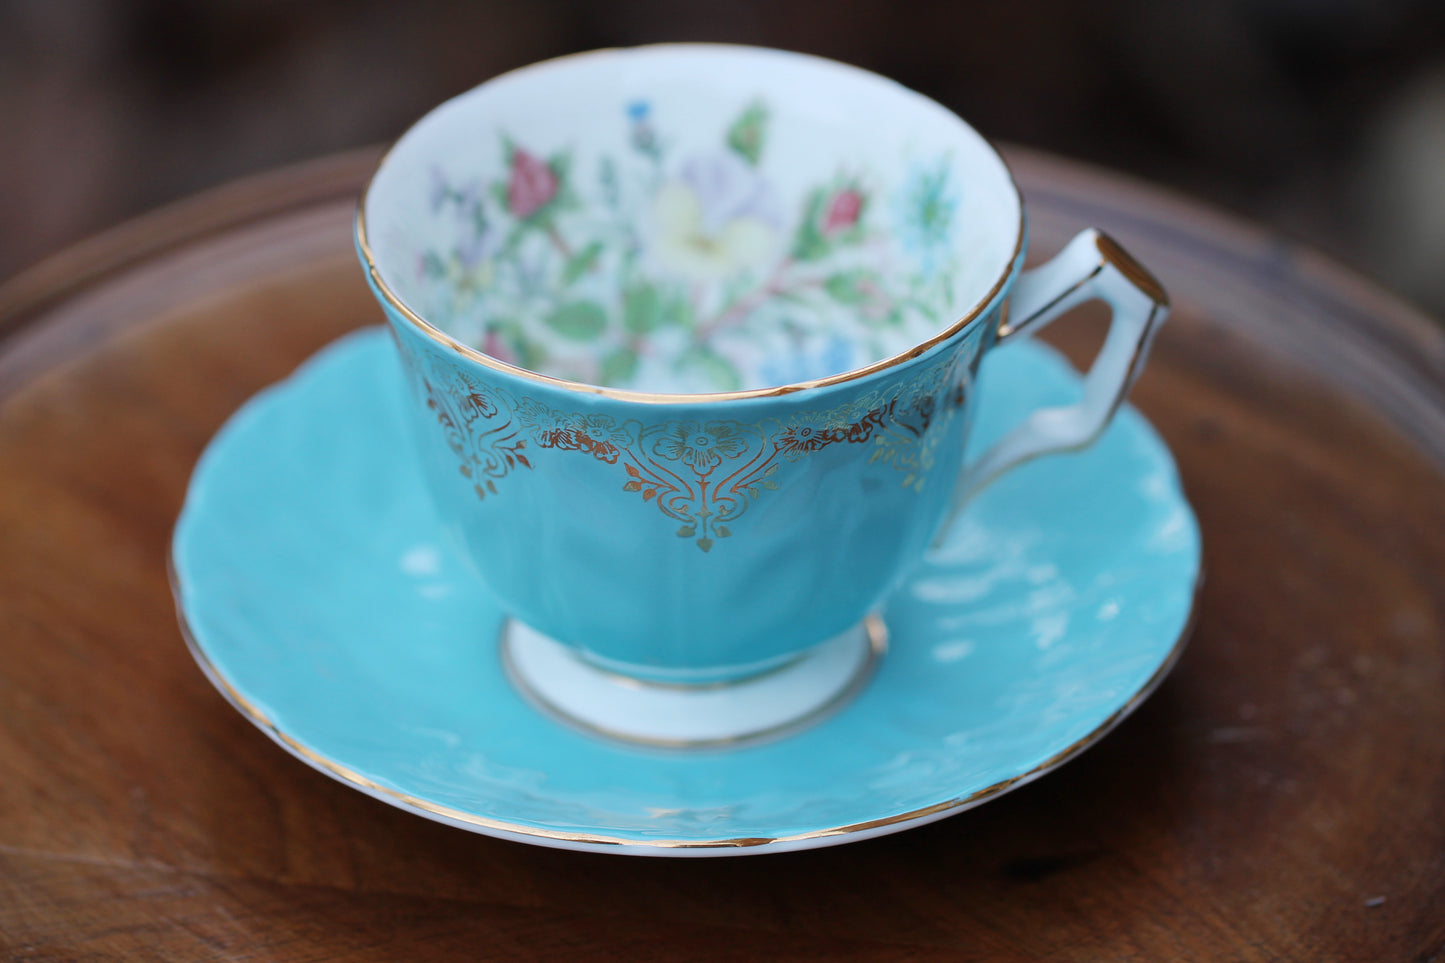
x=843, y=210
x=532, y=186
x=493, y=346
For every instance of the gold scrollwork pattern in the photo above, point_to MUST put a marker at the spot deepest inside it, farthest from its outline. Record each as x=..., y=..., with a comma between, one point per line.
x=485, y=438
x=701, y=474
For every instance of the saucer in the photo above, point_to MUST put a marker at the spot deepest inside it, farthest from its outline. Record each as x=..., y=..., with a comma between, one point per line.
x=319, y=593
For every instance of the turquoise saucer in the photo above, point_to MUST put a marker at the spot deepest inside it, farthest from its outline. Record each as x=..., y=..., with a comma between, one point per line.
x=319, y=594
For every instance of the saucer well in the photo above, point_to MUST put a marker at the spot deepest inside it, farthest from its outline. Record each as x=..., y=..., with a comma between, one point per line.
x=318, y=591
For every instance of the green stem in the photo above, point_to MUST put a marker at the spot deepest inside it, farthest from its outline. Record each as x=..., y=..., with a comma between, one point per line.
x=558, y=241
x=739, y=309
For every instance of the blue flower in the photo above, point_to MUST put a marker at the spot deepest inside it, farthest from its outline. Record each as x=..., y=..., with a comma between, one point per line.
x=925, y=210
x=643, y=137
x=835, y=357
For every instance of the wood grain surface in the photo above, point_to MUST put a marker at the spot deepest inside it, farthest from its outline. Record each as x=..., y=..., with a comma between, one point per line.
x=1280, y=796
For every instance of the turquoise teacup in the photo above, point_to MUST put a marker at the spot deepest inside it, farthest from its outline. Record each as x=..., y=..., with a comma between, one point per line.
x=693, y=332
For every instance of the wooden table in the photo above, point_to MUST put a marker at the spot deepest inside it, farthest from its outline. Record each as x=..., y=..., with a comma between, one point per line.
x=1282, y=796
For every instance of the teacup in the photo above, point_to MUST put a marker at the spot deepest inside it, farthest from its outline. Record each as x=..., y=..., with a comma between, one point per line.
x=693, y=333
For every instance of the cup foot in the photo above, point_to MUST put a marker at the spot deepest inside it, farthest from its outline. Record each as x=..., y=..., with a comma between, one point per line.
x=714, y=715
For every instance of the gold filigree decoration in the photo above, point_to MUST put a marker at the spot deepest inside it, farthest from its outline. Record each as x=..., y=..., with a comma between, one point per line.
x=703, y=475
x=483, y=436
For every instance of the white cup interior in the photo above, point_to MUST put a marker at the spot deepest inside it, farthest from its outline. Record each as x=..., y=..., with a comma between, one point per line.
x=691, y=218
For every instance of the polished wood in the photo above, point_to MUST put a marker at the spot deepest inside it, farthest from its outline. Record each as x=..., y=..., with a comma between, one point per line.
x=1282, y=796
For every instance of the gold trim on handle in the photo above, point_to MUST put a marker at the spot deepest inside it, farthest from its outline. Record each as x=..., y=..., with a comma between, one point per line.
x=1136, y=273
x=1008, y=330
x=1111, y=254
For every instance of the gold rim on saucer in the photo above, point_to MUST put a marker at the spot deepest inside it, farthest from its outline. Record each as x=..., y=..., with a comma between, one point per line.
x=524, y=832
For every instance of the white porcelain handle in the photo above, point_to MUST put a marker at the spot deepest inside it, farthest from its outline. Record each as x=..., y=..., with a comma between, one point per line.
x=1092, y=266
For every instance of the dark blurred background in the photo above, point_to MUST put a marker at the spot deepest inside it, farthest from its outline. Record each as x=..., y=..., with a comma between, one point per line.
x=1322, y=118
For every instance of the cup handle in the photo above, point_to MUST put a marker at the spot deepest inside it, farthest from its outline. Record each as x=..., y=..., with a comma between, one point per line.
x=1092, y=266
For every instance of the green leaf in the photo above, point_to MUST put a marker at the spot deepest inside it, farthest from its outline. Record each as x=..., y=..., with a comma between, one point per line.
x=432, y=266
x=607, y=177
x=508, y=253
x=581, y=262
x=619, y=367
x=677, y=310
x=705, y=544
x=843, y=288
x=578, y=320
x=641, y=309
x=749, y=131
x=716, y=371
x=530, y=354
x=851, y=287
x=809, y=243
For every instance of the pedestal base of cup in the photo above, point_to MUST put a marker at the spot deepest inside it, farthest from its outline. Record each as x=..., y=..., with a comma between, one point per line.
x=719, y=714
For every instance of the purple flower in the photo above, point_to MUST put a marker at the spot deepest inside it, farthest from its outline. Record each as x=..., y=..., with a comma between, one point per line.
x=729, y=189
x=716, y=219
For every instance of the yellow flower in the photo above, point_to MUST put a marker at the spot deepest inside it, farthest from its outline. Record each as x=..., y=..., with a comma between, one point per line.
x=715, y=220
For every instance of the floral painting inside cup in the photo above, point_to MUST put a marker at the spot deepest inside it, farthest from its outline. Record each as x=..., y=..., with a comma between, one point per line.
x=664, y=266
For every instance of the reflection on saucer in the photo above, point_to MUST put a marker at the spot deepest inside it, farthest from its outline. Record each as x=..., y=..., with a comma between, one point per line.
x=320, y=594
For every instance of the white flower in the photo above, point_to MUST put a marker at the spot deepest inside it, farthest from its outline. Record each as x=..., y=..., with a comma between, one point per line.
x=717, y=218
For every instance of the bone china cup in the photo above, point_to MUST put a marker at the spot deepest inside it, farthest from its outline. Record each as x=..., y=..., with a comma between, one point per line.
x=693, y=333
